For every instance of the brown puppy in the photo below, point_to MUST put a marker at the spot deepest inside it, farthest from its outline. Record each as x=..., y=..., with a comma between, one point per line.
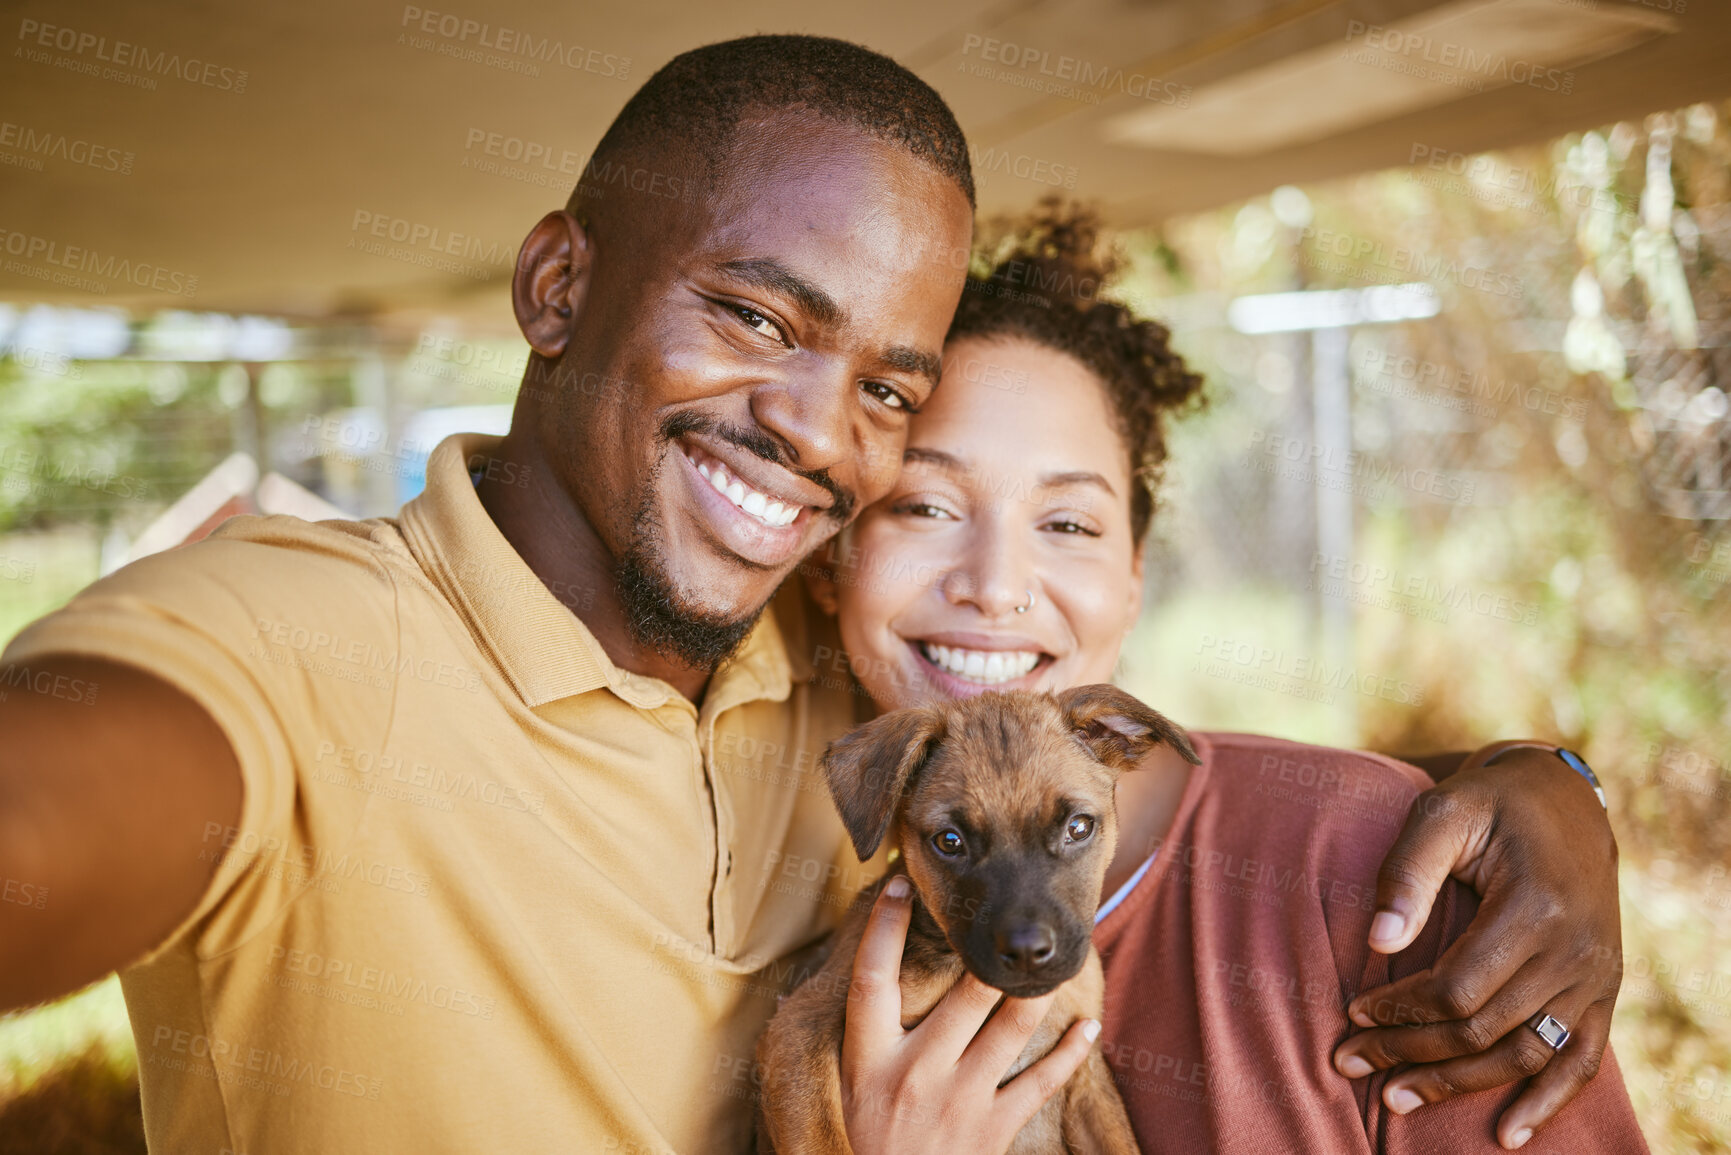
x=1003, y=810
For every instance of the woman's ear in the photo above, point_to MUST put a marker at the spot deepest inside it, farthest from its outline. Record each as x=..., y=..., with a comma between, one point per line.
x=819, y=573
x=549, y=282
x=1138, y=572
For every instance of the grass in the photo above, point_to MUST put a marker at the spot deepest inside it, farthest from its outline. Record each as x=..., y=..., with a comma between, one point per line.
x=69, y=1077
x=40, y=572
x=92, y=1022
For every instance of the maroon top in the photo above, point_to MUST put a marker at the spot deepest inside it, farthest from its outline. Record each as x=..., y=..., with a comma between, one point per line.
x=1230, y=964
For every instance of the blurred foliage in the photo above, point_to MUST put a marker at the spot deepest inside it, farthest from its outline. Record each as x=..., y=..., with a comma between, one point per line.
x=110, y=444
x=69, y=1078
x=86, y=1106
x=94, y=441
x=1581, y=361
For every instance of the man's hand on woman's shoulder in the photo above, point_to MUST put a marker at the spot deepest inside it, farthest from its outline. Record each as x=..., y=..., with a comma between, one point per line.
x=1529, y=836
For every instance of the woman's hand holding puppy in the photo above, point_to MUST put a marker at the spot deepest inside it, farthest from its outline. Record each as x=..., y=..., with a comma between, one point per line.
x=935, y=1087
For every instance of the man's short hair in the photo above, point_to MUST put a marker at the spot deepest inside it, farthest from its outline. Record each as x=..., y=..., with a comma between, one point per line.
x=695, y=103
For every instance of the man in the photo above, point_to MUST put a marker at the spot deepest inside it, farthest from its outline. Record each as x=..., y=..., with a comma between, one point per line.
x=423, y=860
x=477, y=828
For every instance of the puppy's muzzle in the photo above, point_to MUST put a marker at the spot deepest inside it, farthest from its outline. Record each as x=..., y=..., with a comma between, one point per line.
x=1026, y=953
x=1026, y=948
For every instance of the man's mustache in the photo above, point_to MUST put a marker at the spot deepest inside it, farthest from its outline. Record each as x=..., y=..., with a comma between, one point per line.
x=760, y=444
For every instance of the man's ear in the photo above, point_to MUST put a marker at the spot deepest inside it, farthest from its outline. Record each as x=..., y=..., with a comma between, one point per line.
x=870, y=768
x=1117, y=728
x=550, y=279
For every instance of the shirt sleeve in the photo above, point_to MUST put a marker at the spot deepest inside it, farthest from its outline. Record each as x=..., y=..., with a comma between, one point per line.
x=184, y=624
x=1599, y=1120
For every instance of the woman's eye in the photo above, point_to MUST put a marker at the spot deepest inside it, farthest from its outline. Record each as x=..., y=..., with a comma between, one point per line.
x=1079, y=829
x=888, y=396
x=760, y=323
x=948, y=843
x=925, y=509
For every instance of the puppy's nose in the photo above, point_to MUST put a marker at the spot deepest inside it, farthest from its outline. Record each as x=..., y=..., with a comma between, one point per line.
x=1027, y=947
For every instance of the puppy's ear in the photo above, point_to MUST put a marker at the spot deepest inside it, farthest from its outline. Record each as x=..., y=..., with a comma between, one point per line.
x=869, y=770
x=1118, y=728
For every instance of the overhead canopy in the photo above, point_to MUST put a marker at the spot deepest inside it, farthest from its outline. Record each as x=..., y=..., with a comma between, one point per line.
x=333, y=156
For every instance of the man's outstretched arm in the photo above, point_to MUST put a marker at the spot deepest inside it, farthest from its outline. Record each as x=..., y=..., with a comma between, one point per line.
x=103, y=812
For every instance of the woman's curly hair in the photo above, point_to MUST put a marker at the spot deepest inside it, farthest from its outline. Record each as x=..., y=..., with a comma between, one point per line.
x=1046, y=273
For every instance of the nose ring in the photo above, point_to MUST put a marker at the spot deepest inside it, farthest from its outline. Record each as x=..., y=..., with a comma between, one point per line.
x=1029, y=606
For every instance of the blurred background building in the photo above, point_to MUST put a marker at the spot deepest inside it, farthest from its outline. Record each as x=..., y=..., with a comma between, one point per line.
x=1456, y=271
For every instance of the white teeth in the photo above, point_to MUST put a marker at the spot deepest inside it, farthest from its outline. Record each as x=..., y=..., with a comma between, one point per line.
x=771, y=513
x=987, y=667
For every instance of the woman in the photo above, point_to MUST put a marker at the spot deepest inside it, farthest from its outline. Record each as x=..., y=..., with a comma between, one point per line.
x=1241, y=893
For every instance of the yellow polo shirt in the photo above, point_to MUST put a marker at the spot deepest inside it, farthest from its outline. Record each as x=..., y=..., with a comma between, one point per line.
x=488, y=892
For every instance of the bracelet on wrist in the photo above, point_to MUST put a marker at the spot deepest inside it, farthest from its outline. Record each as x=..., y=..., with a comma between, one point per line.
x=1568, y=758
x=1579, y=765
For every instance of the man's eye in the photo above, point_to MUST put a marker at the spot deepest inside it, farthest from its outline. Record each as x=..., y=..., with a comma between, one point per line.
x=1072, y=527
x=888, y=396
x=760, y=323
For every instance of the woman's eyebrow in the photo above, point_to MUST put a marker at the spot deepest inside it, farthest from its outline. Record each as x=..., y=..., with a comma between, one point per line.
x=950, y=463
x=1076, y=477
x=913, y=455
x=772, y=276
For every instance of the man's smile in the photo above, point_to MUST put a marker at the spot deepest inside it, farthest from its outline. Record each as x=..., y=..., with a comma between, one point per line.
x=763, y=520
x=771, y=511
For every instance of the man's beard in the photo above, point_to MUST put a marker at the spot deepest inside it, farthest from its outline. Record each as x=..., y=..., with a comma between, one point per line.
x=657, y=617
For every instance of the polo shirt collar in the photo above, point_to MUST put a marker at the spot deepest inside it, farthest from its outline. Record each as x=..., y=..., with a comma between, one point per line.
x=540, y=646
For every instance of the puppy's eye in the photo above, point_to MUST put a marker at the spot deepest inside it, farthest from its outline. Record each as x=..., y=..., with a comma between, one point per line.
x=1080, y=829
x=948, y=843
